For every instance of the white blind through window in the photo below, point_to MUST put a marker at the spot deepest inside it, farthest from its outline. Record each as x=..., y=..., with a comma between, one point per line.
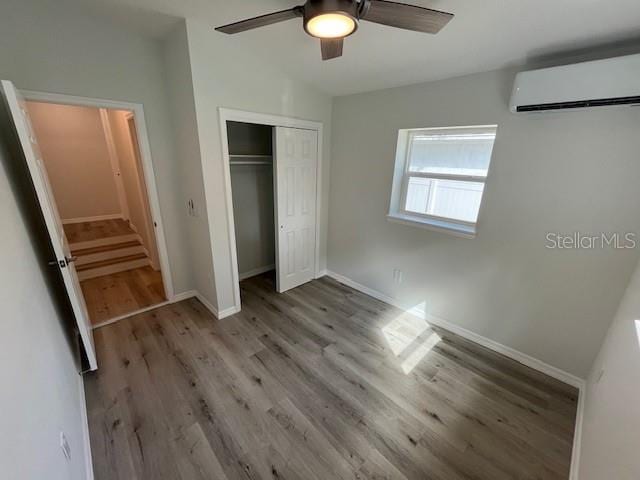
x=445, y=171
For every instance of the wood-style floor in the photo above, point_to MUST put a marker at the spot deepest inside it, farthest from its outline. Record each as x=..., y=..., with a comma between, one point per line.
x=87, y=231
x=321, y=382
x=111, y=296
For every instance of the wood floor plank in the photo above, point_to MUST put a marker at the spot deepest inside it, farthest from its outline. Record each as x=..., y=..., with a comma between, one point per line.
x=112, y=295
x=321, y=382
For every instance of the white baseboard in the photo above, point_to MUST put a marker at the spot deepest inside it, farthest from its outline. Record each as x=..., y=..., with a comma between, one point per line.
x=227, y=312
x=86, y=438
x=178, y=297
x=256, y=271
x=207, y=304
x=218, y=314
x=520, y=357
x=577, y=435
x=95, y=218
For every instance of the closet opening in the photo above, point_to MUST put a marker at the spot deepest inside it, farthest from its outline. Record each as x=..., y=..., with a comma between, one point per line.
x=251, y=161
x=272, y=168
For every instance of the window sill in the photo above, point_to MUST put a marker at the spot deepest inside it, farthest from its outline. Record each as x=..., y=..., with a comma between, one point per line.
x=452, y=228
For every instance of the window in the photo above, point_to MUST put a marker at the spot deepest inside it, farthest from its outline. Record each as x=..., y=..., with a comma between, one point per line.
x=440, y=176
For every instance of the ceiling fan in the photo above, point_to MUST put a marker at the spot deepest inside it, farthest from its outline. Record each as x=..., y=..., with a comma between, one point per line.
x=333, y=20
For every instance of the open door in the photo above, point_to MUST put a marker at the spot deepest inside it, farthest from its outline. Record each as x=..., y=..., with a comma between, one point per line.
x=47, y=203
x=296, y=165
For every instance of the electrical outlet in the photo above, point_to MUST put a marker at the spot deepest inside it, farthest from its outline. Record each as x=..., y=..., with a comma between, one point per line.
x=397, y=275
x=64, y=446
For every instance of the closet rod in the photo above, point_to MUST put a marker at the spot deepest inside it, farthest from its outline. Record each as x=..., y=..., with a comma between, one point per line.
x=249, y=162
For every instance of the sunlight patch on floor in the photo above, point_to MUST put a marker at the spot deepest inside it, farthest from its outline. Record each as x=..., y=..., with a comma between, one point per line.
x=410, y=338
x=420, y=352
x=402, y=331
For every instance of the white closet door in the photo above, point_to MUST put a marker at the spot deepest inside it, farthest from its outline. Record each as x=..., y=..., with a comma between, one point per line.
x=47, y=203
x=296, y=166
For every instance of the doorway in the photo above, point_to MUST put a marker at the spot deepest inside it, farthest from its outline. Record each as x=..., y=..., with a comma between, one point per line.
x=272, y=176
x=93, y=161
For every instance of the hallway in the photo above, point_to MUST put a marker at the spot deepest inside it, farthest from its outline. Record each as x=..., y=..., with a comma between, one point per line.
x=114, y=269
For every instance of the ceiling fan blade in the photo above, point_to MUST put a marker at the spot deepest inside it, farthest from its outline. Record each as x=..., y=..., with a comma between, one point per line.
x=405, y=16
x=331, y=48
x=261, y=21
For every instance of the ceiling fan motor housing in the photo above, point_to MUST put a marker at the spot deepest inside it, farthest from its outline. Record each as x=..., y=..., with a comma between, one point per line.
x=314, y=8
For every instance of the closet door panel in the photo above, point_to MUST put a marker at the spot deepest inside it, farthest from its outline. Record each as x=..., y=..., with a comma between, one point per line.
x=296, y=163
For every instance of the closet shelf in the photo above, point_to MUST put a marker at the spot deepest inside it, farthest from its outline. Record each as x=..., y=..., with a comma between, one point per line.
x=249, y=156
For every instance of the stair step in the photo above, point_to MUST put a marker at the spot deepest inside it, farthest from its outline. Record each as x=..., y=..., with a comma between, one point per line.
x=111, y=261
x=113, y=268
x=108, y=255
x=100, y=242
x=105, y=248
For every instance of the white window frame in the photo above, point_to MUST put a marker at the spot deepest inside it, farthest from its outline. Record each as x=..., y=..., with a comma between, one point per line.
x=397, y=208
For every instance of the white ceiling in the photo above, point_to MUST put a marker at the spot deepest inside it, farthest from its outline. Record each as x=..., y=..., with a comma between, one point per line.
x=484, y=35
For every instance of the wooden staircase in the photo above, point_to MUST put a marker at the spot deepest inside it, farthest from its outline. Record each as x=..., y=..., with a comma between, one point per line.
x=109, y=255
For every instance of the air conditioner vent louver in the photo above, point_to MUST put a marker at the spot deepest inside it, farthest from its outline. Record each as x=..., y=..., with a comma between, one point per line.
x=600, y=102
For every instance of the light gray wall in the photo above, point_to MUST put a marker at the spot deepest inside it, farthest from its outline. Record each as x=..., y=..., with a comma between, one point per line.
x=227, y=74
x=611, y=426
x=40, y=388
x=177, y=67
x=74, y=150
x=252, y=187
x=53, y=47
x=565, y=172
x=253, y=216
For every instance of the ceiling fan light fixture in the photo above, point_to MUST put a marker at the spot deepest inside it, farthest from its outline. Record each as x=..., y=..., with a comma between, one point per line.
x=331, y=25
x=333, y=20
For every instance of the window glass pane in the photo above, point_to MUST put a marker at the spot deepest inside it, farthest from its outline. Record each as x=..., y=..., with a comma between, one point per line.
x=453, y=199
x=456, y=151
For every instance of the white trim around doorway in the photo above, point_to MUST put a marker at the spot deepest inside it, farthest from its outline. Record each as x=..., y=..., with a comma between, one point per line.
x=146, y=160
x=227, y=114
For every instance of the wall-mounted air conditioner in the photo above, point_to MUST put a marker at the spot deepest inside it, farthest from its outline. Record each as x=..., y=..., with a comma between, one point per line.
x=614, y=81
